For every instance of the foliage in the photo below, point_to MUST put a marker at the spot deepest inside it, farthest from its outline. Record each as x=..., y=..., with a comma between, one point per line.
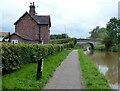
x=1, y=36
x=76, y=47
x=110, y=35
x=113, y=28
x=99, y=33
x=115, y=48
x=100, y=47
x=14, y=56
x=93, y=79
x=62, y=41
x=59, y=36
x=25, y=78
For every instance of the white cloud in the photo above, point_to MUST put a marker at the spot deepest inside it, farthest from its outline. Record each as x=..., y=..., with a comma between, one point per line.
x=79, y=16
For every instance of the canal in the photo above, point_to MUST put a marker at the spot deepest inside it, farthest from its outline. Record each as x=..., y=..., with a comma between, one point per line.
x=107, y=63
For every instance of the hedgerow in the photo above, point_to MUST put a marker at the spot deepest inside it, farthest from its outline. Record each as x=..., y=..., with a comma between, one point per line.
x=14, y=56
x=62, y=41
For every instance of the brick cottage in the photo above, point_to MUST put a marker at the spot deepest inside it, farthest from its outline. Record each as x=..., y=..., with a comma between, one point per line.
x=32, y=28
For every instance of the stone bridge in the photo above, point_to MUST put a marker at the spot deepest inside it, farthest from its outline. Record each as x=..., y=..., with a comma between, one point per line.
x=91, y=42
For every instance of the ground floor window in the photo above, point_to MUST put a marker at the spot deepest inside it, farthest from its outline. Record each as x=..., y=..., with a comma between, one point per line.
x=14, y=41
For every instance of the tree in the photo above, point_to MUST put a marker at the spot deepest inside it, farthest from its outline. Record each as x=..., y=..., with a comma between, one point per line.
x=94, y=32
x=113, y=28
x=98, y=33
x=59, y=36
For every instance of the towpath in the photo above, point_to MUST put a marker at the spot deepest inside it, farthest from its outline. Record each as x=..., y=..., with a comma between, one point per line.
x=68, y=74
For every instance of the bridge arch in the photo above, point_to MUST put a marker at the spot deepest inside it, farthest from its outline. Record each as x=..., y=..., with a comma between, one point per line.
x=91, y=44
x=81, y=42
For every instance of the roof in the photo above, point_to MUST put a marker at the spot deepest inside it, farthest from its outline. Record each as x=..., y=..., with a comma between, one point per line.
x=23, y=16
x=3, y=33
x=39, y=19
x=23, y=37
x=43, y=19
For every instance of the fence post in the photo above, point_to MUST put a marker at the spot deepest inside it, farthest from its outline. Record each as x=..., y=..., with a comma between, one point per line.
x=39, y=68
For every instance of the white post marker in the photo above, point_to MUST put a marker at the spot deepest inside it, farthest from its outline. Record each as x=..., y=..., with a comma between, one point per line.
x=42, y=65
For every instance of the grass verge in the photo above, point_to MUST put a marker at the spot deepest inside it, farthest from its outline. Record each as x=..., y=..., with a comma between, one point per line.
x=25, y=78
x=76, y=47
x=93, y=79
x=100, y=47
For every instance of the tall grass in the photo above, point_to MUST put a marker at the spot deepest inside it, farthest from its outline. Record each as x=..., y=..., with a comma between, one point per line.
x=93, y=79
x=25, y=78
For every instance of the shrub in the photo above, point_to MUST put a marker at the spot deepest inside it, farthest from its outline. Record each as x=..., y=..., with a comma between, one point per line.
x=100, y=47
x=62, y=41
x=16, y=55
x=115, y=48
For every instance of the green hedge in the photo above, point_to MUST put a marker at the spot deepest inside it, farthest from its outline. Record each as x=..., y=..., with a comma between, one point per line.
x=16, y=55
x=62, y=41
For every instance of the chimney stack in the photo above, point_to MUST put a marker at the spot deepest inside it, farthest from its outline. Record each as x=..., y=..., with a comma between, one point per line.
x=32, y=9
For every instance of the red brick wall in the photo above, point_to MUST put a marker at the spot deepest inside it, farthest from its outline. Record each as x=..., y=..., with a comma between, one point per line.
x=27, y=27
x=45, y=33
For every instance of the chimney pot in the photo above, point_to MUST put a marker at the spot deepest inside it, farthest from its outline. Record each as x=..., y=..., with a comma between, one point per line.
x=30, y=3
x=32, y=9
x=33, y=3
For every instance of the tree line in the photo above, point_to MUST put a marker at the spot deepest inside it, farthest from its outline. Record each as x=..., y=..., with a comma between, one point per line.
x=59, y=36
x=110, y=35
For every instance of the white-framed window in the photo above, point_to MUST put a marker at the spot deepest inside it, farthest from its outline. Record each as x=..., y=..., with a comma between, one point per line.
x=6, y=40
x=14, y=41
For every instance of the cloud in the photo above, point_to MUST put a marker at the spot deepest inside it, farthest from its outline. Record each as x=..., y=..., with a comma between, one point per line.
x=78, y=16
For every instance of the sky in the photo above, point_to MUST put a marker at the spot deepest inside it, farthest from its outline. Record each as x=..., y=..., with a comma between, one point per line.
x=73, y=17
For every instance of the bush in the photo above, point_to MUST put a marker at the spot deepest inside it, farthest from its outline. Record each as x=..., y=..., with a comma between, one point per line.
x=16, y=55
x=115, y=48
x=100, y=47
x=62, y=41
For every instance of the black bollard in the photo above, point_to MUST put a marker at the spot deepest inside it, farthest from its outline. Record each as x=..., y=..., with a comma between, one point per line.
x=39, y=69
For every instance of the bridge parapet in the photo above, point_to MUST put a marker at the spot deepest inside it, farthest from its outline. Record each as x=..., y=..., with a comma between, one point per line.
x=82, y=42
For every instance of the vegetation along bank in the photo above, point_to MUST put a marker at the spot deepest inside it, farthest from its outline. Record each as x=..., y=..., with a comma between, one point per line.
x=93, y=79
x=110, y=35
x=101, y=47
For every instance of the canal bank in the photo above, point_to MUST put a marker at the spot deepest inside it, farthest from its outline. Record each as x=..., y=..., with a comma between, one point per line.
x=93, y=79
x=107, y=63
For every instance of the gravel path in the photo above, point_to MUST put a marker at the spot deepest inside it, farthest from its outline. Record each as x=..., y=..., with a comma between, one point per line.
x=67, y=75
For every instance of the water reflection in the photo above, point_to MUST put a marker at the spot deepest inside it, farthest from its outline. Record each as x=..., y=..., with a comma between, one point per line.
x=107, y=63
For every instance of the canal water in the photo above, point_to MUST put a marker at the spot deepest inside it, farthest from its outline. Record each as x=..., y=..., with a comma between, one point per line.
x=107, y=63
